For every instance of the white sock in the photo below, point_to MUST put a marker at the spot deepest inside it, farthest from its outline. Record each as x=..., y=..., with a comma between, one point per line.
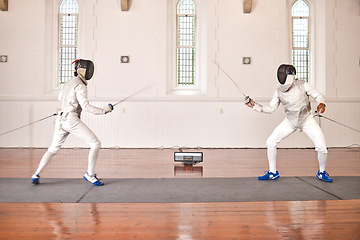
x=92, y=158
x=271, y=153
x=322, y=157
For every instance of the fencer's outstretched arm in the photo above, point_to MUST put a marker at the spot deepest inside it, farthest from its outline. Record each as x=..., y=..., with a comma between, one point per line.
x=271, y=107
x=81, y=94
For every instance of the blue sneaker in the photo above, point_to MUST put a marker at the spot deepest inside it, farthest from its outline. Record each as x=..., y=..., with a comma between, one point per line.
x=269, y=176
x=323, y=176
x=93, y=179
x=35, y=179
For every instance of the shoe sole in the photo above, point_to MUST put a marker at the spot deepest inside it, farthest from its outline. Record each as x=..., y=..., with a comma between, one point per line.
x=269, y=178
x=35, y=182
x=95, y=183
x=323, y=179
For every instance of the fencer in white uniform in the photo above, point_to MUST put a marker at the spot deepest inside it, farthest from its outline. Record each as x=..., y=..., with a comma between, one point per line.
x=74, y=99
x=294, y=94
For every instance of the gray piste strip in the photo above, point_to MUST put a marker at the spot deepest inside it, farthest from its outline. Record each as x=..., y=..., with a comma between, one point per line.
x=320, y=188
x=179, y=190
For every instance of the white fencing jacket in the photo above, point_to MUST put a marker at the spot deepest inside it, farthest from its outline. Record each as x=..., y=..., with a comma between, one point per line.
x=74, y=98
x=295, y=101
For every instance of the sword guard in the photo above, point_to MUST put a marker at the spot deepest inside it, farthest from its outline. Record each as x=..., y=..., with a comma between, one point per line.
x=317, y=114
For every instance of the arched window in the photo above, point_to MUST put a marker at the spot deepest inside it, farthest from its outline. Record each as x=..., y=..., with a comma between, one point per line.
x=185, y=46
x=68, y=31
x=300, y=13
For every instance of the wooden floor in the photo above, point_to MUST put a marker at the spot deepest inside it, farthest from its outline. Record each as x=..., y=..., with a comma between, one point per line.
x=335, y=219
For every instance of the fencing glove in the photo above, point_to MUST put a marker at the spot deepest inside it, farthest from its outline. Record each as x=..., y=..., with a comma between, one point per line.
x=249, y=102
x=252, y=104
x=108, y=108
x=321, y=108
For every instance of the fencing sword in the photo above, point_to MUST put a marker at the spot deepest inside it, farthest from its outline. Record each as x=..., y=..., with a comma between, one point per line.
x=29, y=124
x=54, y=114
x=247, y=98
x=135, y=93
x=317, y=114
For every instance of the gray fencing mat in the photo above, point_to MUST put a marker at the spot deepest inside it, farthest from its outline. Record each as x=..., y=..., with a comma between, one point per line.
x=179, y=190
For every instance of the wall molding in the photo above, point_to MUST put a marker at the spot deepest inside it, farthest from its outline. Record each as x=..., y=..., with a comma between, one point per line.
x=239, y=99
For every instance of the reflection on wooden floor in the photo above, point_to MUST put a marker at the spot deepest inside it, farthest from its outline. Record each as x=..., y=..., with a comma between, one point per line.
x=255, y=220
x=188, y=171
x=335, y=219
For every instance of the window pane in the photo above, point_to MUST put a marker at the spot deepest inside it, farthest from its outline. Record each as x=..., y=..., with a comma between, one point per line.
x=186, y=7
x=300, y=39
x=300, y=32
x=69, y=6
x=300, y=9
x=68, y=30
x=66, y=69
x=186, y=66
x=185, y=43
x=68, y=17
x=301, y=63
x=186, y=36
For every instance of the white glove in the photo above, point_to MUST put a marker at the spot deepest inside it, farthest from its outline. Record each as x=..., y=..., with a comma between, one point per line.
x=108, y=108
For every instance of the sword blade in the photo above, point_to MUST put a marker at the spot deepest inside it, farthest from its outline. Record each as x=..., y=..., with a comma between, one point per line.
x=134, y=94
x=229, y=77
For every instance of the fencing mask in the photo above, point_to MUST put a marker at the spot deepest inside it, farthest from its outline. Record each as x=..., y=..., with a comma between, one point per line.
x=282, y=76
x=85, y=68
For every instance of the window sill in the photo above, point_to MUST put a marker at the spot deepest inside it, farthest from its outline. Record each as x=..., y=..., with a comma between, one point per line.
x=185, y=90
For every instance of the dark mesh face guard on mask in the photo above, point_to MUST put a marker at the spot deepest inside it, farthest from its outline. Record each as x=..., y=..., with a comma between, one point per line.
x=87, y=65
x=283, y=71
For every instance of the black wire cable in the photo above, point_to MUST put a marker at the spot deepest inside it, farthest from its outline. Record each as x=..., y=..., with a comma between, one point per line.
x=319, y=115
x=28, y=124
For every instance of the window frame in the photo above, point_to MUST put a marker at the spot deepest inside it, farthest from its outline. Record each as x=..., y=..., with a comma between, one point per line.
x=309, y=40
x=193, y=46
x=200, y=87
x=60, y=46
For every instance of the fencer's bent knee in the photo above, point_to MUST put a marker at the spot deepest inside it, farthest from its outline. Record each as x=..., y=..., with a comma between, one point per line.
x=96, y=144
x=320, y=145
x=53, y=150
x=271, y=143
x=321, y=149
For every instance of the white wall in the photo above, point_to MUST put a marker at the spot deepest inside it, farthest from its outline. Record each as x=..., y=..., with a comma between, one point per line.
x=156, y=117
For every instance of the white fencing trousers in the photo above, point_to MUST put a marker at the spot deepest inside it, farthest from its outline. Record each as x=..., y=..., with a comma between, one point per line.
x=285, y=128
x=75, y=126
